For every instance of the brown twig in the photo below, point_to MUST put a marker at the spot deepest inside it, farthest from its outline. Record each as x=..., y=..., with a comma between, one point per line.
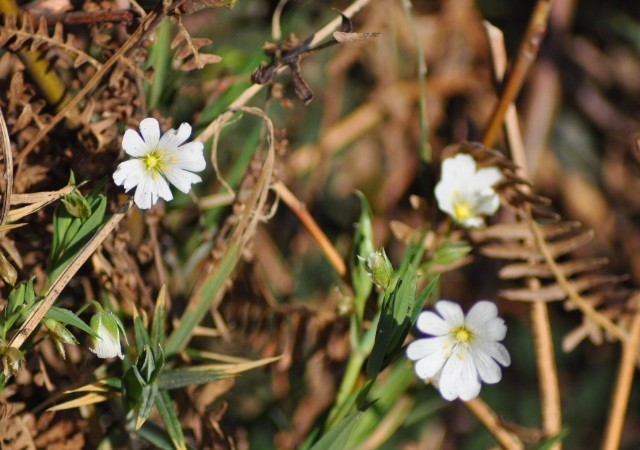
x=526, y=55
x=491, y=421
x=626, y=372
x=310, y=224
x=252, y=90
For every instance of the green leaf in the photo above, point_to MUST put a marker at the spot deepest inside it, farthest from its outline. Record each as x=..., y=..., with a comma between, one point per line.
x=450, y=252
x=155, y=435
x=337, y=437
x=178, y=378
x=67, y=317
x=158, y=325
x=398, y=309
x=70, y=233
x=145, y=405
x=363, y=247
x=142, y=337
x=170, y=418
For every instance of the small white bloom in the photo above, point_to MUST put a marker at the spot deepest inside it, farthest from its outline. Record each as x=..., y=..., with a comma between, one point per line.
x=465, y=192
x=107, y=326
x=463, y=351
x=158, y=160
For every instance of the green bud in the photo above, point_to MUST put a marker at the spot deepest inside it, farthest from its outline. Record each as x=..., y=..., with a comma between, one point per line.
x=11, y=358
x=379, y=268
x=60, y=335
x=76, y=204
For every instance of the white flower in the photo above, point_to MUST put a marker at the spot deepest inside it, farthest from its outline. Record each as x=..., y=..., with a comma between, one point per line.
x=465, y=193
x=463, y=351
x=157, y=160
x=107, y=326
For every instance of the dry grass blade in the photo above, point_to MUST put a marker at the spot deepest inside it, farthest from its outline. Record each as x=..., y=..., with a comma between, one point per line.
x=5, y=148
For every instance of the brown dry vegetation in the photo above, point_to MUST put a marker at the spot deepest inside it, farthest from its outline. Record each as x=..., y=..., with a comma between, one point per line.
x=276, y=211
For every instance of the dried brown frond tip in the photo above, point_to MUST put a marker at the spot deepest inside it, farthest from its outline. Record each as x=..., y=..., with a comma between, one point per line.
x=540, y=250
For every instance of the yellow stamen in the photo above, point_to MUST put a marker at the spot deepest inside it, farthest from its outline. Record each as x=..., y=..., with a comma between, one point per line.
x=462, y=335
x=462, y=210
x=153, y=160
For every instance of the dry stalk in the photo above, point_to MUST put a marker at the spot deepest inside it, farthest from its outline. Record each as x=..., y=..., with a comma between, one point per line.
x=300, y=210
x=545, y=359
x=626, y=372
x=491, y=421
x=37, y=314
x=526, y=55
x=5, y=147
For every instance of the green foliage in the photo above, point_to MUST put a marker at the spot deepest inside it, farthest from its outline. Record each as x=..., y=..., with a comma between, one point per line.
x=337, y=438
x=72, y=231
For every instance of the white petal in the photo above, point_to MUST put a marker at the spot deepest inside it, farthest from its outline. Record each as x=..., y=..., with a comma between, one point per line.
x=486, y=177
x=488, y=203
x=181, y=178
x=480, y=313
x=172, y=139
x=128, y=174
x=133, y=144
x=106, y=344
x=493, y=330
x=459, y=377
x=435, y=351
x=451, y=312
x=473, y=222
x=488, y=369
x=431, y=323
x=495, y=350
x=461, y=166
x=148, y=190
x=150, y=130
x=191, y=157
x=444, y=195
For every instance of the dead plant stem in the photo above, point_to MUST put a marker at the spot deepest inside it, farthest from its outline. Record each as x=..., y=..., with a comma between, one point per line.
x=543, y=341
x=311, y=225
x=526, y=55
x=491, y=421
x=626, y=372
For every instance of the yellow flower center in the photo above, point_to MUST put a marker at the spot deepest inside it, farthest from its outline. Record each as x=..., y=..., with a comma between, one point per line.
x=462, y=335
x=153, y=162
x=462, y=210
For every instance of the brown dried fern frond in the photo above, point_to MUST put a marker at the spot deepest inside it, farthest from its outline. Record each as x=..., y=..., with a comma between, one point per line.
x=539, y=250
x=23, y=35
x=189, y=57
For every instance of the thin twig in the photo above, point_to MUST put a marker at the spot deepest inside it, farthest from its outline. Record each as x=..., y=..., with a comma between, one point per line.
x=37, y=314
x=623, y=384
x=491, y=421
x=311, y=225
x=526, y=55
x=276, y=29
x=252, y=90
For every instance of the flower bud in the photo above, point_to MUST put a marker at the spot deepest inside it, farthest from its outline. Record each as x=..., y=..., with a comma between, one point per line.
x=107, y=326
x=11, y=358
x=60, y=335
x=379, y=268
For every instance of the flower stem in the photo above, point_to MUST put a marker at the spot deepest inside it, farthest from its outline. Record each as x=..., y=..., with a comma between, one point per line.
x=490, y=420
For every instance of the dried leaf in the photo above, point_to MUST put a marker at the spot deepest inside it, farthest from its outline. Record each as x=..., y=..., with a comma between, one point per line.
x=541, y=270
x=347, y=38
